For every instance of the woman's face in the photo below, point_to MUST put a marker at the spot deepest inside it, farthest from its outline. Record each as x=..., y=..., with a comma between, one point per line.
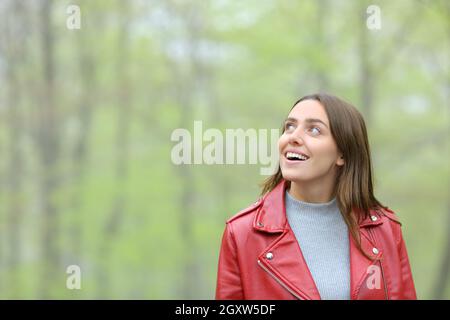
x=306, y=132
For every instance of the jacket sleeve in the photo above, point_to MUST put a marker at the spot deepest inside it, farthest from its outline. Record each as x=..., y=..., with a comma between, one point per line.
x=228, y=276
x=408, y=289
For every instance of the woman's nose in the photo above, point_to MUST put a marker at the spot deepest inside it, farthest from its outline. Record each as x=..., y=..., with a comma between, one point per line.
x=296, y=137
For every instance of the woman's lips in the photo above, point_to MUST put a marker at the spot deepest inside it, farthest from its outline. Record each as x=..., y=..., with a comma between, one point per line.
x=294, y=162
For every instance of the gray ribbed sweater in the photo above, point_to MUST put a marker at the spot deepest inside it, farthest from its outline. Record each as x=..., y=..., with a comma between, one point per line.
x=323, y=237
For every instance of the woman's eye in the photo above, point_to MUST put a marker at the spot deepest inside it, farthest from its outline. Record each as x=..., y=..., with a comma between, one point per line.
x=289, y=126
x=317, y=130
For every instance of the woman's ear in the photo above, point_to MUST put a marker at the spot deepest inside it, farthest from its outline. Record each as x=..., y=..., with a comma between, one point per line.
x=340, y=161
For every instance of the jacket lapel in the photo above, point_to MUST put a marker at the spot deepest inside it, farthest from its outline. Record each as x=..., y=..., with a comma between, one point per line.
x=293, y=274
x=276, y=259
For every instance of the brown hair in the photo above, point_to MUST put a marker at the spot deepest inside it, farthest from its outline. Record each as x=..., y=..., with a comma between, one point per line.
x=354, y=186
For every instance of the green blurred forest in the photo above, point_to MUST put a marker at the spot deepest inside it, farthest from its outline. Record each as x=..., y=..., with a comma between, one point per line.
x=86, y=176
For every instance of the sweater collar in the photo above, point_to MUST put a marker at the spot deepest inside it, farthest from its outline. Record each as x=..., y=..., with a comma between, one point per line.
x=303, y=206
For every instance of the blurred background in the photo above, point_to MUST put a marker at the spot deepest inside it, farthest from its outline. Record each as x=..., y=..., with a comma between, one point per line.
x=86, y=117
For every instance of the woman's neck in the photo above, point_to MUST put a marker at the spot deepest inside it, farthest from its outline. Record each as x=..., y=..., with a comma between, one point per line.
x=310, y=192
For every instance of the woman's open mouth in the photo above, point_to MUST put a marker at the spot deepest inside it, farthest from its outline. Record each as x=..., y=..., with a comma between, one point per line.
x=293, y=157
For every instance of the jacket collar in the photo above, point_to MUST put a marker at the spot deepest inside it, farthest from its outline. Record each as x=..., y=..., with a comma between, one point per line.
x=271, y=215
x=294, y=273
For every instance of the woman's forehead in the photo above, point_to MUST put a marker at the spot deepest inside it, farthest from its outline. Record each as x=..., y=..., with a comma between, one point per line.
x=309, y=109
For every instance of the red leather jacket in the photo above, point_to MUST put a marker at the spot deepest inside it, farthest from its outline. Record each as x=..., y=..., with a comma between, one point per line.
x=260, y=257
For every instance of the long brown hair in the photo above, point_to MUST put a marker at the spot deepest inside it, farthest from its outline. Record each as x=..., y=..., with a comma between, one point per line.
x=354, y=185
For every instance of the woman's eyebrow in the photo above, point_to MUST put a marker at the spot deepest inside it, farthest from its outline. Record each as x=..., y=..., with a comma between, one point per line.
x=307, y=120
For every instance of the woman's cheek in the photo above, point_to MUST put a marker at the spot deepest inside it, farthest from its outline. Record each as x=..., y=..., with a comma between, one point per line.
x=282, y=143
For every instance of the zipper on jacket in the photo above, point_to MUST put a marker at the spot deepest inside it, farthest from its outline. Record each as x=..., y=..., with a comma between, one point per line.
x=279, y=281
x=381, y=267
x=384, y=281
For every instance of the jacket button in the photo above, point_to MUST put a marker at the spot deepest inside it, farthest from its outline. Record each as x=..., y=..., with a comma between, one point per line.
x=269, y=255
x=374, y=218
x=260, y=224
x=375, y=251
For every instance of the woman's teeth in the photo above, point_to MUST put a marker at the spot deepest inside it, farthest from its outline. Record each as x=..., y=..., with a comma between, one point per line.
x=295, y=156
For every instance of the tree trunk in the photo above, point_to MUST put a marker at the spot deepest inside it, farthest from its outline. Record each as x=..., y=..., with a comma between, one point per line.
x=15, y=51
x=322, y=13
x=366, y=75
x=48, y=150
x=85, y=110
x=443, y=277
x=186, y=86
x=124, y=111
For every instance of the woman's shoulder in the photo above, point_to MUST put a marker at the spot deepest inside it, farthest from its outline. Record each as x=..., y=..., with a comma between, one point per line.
x=389, y=214
x=393, y=222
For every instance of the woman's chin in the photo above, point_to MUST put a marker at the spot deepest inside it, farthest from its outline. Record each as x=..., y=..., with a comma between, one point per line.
x=293, y=177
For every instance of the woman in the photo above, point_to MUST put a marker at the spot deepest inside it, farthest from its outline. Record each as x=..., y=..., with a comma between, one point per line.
x=318, y=232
